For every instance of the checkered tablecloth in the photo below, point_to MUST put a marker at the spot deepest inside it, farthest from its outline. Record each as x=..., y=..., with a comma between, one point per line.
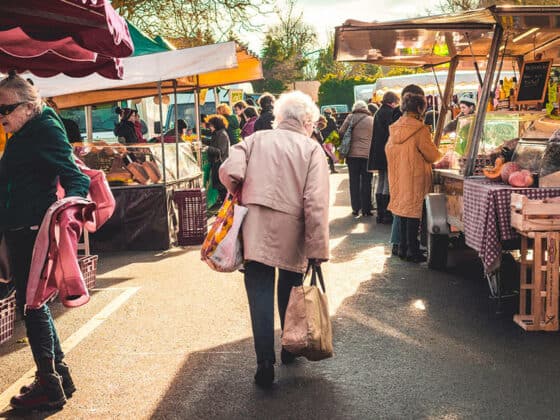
x=486, y=216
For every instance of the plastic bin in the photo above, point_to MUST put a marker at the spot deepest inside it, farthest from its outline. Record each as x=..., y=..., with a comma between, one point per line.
x=88, y=266
x=192, y=216
x=7, y=317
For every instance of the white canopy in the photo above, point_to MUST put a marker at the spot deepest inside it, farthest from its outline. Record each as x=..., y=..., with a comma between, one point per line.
x=150, y=68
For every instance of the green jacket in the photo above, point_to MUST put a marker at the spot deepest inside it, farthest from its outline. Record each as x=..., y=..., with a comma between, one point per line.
x=34, y=158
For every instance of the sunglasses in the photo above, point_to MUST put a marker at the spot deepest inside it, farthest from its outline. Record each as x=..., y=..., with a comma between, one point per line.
x=8, y=109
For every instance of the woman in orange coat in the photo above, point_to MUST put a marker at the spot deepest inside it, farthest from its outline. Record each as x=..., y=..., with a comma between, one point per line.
x=410, y=153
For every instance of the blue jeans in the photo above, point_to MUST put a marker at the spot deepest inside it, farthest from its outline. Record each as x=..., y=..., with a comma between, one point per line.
x=259, y=283
x=39, y=324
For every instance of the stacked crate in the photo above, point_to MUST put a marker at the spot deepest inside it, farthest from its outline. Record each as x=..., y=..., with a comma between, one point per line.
x=538, y=223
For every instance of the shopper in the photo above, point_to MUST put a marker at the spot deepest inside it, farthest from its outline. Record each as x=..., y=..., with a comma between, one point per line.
x=238, y=108
x=37, y=156
x=397, y=113
x=377, y=159
x=125, y=129
x=410, y=153
x=250, y=116
x=265, y=120
x=233, y=130
x=284, y=180
x=357, y=159
x=218, y=150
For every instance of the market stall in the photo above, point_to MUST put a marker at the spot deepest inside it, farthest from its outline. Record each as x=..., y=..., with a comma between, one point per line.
x=146, y=216
x=514, y=116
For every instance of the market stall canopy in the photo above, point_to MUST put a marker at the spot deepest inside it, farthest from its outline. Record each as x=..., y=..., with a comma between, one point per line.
x=143, y=44
x=49, y=58
x=198, y=68
x=435, y=40
x=92, y=24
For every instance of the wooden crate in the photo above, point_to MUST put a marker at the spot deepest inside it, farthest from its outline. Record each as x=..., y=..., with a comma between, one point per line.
x=534, y=215
x=538, y=293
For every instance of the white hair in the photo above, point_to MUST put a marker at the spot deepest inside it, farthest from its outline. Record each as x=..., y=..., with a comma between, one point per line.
x=359, y=105
x=295, y=105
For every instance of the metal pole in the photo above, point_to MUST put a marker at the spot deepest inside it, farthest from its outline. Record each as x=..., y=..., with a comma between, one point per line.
x=478, y=129
x=216, y=98
x=176, y=128
x=162, y=132
x=446, y=99
x=89, y=122
x=197, y=124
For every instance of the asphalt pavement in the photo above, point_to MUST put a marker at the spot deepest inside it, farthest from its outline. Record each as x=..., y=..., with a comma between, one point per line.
x=165, y=337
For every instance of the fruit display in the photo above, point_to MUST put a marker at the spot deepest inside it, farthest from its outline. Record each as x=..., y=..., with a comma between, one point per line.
x=507, y=169
x=522, y=178
x=494, y=173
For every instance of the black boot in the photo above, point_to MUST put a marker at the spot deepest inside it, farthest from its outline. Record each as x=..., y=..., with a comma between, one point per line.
x=44, y=393
x=381, y=206
x=387, y=215
x=287, y=357
x=67, y=383
x=265, y=374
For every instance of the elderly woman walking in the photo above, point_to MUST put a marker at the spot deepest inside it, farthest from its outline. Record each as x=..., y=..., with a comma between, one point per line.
x=357, y=159
x=284, y=181
x=36, y=157
x=410, y=153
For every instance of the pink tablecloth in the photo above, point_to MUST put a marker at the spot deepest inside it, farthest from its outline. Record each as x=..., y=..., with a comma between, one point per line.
x=486, y=216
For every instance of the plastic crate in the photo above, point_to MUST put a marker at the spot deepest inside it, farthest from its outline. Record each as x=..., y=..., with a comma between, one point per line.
x=192, y=216
x=7, y=317
x=88, y=266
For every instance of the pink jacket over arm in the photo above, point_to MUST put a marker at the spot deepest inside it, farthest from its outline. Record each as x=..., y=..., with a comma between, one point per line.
x=54, y=265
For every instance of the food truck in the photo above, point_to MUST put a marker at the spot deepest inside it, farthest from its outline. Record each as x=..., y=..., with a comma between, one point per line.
x=509, y=132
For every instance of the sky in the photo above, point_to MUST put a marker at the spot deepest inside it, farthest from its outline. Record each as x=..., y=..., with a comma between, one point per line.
x=324, y=15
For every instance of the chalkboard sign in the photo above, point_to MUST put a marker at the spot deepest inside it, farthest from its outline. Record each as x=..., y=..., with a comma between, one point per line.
x=534, y=81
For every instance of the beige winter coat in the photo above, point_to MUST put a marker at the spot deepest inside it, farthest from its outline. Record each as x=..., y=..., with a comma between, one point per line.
x=362, y=132
x=410, y=153
x=285, y=184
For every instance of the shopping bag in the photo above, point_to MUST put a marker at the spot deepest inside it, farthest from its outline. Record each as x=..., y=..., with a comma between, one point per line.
x=307, y=325
x=222, y=249
x=344, y=147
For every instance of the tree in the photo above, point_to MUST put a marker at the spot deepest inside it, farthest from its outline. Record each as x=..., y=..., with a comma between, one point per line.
x=286, y=50
x=193, y=22
x=335, y=90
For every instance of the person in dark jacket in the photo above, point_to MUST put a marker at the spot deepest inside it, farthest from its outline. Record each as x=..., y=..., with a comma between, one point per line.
x=377, y=159
x=233, y=130
x=125, y=129
x=218, y=150
x=37, y=156
x=238, y=109
x=265, y=120
x=331, y=124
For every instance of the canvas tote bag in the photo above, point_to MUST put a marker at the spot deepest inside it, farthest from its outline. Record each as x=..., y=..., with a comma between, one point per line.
x=307, y=326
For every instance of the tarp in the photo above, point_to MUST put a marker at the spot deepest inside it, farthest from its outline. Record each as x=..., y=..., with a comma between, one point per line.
x=181, y=65
x=93, y=24
x=434, y=40
x=248, y=69
x=143, y=44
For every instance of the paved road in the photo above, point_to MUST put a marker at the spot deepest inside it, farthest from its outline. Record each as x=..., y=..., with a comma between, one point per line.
x=165, y=337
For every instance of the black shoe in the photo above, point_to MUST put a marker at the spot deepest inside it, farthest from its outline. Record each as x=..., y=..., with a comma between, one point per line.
x=287, y=357
x=67, y=383
x=265, y=374
x=367, y=213
x=355, y=213
x=44, y=393
x=395, y=249
x=417, y=258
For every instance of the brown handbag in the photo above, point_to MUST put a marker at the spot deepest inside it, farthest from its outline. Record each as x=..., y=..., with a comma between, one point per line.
x=307, y=325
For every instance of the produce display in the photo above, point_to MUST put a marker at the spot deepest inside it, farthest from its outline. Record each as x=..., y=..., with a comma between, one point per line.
x=522, y=178
x=507, y=169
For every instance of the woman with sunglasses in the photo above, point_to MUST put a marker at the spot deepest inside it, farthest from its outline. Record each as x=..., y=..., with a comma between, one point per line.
x=36, y=156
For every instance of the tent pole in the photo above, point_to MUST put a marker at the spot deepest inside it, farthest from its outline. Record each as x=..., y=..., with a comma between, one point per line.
x=216, y=98
x=89, y=122
x=176, y=128
x=161, y=133
x=197, y=123
x=446, y=99
x=477, y=130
